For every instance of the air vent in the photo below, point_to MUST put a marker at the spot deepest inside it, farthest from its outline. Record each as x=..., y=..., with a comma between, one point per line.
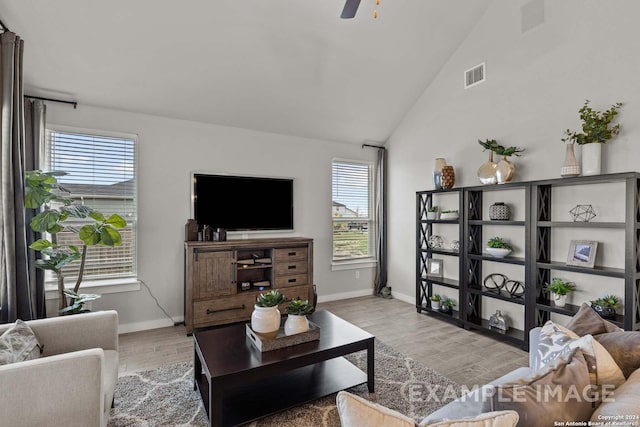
x=474, y=76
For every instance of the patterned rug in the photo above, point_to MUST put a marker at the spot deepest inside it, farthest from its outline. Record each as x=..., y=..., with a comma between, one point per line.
x=165, y=396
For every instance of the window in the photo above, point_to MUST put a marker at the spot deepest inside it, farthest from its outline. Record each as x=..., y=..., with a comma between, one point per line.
x=353, y=224
x=100, y=174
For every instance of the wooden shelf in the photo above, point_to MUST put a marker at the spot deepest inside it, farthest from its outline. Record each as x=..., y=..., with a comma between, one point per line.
x=440, y=221
x=449, y=283
x=453, y=317
x=253, y=267
x=597, y=270
x=507, y=259
x=497, y=294
x=570, y=310
x=442, y=251
x=592, y=224
x=495, y=222
x=512, y=335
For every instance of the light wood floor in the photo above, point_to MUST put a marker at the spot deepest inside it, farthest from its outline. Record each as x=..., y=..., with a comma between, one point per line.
x=467, y=357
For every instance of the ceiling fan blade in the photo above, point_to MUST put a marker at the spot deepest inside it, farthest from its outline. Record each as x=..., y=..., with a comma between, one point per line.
x=350, y=9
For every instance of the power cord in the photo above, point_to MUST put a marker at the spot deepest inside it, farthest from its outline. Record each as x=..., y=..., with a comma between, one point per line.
x=158, y=304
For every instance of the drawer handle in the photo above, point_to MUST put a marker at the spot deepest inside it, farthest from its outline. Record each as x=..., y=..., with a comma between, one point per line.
x=291, y=267
x=241, y=307
x=292, y=253
x=292, y=280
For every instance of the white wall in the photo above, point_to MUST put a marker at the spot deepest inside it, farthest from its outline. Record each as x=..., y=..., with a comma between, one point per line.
x=536, y=82
x=168, y=151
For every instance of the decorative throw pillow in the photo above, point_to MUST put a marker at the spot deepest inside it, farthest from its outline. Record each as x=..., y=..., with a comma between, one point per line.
x=355, y=411
x=556, y=341
x=559, y=392
x=622, y=405
x=490, y=419
x=624, y=347
x=19, y=343
x=588, y=322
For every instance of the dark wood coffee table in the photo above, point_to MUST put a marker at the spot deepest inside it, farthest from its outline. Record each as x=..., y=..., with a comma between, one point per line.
x=238, y=384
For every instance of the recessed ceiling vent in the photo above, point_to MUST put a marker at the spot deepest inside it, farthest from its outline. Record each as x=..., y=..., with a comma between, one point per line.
x=474, y=76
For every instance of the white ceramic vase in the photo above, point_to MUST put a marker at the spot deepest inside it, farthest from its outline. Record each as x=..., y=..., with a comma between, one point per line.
x=432, y=215
x=559, y=300
x=570, y=167
x=265, y=320
x=435, y=305
x=591, y=159
x=295, y=324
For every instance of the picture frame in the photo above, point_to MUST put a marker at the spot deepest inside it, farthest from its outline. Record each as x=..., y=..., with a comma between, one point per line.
x=582, y=253
x=434, y=267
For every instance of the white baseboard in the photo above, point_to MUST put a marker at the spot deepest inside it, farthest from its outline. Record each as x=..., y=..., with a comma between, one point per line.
x=345, y=295
x=410, y=299
x=125, y=328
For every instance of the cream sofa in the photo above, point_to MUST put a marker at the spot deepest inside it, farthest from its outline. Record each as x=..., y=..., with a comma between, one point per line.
x=73, y=382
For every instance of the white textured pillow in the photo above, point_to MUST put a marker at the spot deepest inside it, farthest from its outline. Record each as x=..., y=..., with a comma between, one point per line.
x=557, y=341
x=490, y=419
x=18, y=343
x=355, y=411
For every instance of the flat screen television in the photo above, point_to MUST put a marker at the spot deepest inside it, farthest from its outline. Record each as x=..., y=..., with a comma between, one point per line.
x=243, y=203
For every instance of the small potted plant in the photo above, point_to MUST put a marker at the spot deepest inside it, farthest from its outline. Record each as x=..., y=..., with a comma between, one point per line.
x=446, y=305
x=498, y=248
x=297, y=322
x=435, y=301
x=606, y=306
x=432, y=212
x=452, y=214
x=596, y=130
x=559, y=289
x=265, y=319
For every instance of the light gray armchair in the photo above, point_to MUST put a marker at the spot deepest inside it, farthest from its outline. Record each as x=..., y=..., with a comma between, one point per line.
x=73, y=382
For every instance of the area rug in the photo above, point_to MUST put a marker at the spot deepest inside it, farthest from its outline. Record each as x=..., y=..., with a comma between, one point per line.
x=165, y=396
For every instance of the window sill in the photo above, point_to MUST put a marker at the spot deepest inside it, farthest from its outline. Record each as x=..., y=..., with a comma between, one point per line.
x=110, y=286
x=353, y=264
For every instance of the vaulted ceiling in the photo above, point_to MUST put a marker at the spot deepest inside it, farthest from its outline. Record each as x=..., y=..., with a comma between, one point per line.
x=286, y=66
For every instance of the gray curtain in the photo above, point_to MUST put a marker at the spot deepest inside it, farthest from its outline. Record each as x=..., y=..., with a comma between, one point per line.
x=19, y=287
x=380, y=282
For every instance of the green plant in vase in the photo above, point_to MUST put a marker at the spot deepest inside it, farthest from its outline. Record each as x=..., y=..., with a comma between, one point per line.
x=498, y=247
x=272, y=298
x=559, y=289
x=447, y=304
x=297, y=321
x=435, y=301
x=432, y=212
x=606, y=306
x=504, y=170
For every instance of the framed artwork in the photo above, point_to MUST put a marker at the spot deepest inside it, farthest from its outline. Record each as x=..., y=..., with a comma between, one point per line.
x=434, y=267
x=582, y=253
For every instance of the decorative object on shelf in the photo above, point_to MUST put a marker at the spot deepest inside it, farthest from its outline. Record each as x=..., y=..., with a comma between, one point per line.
x=455, y=245
x=570, y=167
x=297, y=312
x=582, y=213
x=559, y=289
x=449, y=214
x=245, y=286
x=434, y=267
x=606, y=306
x=281, y=340
x=498, y=322
x=432, y=213
x=582, y=253
x=499, y=211
x=191, y=230
x=220, y=235
x=437, y=173
x=487, y=171
x=448, y=177
x=435, y=301
x=495, y=281
x=265, y=319
x=446, y=305
x=498, y=248
x=504, y=170
x=515, y=288
x=596, y=130
x=435, y=242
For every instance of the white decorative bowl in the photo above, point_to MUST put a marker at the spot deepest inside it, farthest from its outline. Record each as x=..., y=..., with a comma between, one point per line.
x=498, y=252
x=449, y=215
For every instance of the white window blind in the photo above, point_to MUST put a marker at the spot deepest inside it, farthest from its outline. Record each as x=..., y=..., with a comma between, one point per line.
x=100, y=174
x=351, y=196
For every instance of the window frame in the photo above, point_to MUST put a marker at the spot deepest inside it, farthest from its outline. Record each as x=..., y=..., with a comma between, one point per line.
x=370, y=259
x=124, y=283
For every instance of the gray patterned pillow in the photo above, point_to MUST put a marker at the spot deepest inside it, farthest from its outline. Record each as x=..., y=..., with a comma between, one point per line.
x=19, y=343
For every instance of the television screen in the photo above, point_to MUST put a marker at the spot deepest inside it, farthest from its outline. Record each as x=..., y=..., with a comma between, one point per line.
x=240, y=203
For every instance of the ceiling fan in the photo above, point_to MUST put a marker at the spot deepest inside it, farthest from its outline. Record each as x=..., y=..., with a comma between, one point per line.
x=350, y=9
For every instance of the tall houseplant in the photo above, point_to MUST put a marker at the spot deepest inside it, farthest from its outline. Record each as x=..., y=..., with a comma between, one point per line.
x=43, y=192
x=597, y=129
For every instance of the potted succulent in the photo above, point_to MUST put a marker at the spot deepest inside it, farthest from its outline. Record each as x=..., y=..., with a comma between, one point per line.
x=435, y=301
x=498, y=248
x=504, y=170
x=597, y=129
x=297, y=322
x=559, y=289
x=452, y=214
x=265, y=319
x=606, y=306
x=446, y=305
x=432, y=212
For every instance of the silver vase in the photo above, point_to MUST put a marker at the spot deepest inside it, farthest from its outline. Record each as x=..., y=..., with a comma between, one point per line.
x=487, y=172
x=505, y=170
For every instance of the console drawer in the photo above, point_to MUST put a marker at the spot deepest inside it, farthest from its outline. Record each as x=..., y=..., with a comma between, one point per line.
x=291, y=254
x=291, y=267
x=294, y=292
x=291, y=280
x=223, y=310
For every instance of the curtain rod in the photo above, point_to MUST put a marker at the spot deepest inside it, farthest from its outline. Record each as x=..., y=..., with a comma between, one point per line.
x=374, y=146
x=74, y=103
